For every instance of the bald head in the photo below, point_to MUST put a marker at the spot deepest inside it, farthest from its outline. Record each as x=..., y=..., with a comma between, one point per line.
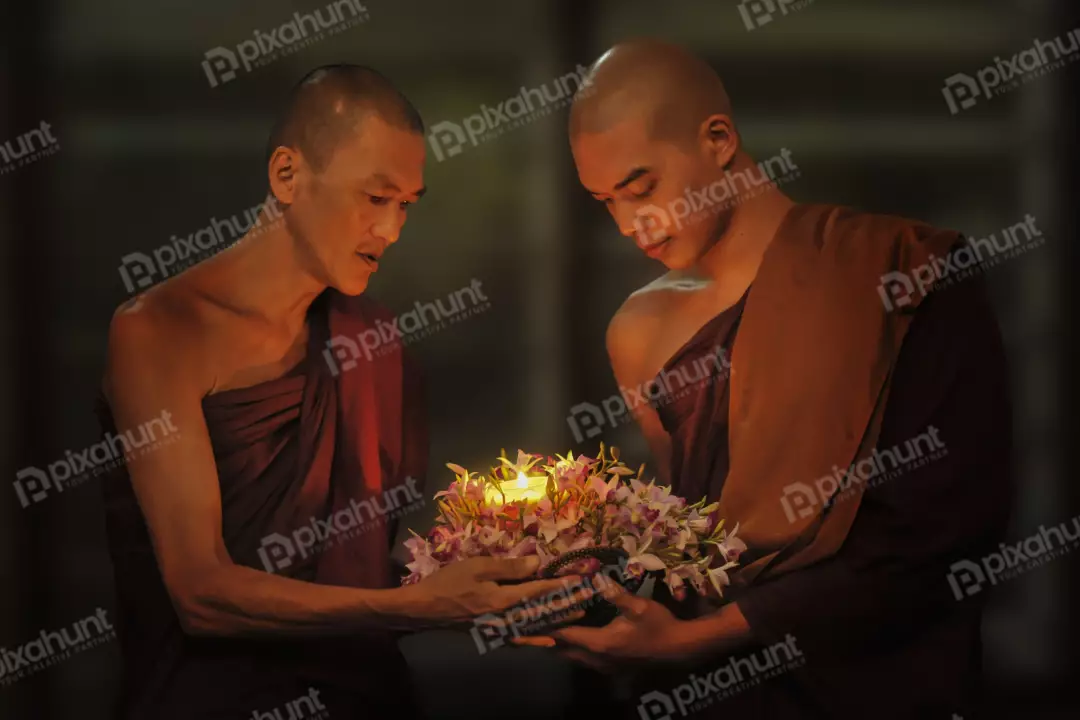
x=330, y=104
x=650, y=131
x=664, y=85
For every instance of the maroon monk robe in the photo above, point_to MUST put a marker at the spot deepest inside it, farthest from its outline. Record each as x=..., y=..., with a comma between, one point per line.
x=316, y=442
x=880, y=631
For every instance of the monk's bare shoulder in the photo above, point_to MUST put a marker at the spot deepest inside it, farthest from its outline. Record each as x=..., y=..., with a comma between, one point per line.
x=639, y=313
x=649, y=307
x=160, y=332
x=635, y=330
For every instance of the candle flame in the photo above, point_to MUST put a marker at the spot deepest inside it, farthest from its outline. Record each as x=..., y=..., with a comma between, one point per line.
x=523, y=487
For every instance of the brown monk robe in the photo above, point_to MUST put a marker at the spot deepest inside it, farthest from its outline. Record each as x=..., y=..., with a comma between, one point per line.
x=287, y=450
x=654, y=139
x=879, y=630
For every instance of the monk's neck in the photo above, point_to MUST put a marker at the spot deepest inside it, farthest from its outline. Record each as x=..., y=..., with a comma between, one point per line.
x=265, y=274
x=735, y=258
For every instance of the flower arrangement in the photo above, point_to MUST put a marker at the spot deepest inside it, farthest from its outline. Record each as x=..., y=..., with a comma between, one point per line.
x=577, y=504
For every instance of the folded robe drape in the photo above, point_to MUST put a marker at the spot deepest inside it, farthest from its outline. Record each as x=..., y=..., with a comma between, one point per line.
x=810, y=374
x=334, y=438
x=880, y=630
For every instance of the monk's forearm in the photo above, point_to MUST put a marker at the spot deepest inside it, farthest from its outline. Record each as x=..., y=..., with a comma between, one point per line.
x=720, y=633
x=233, y=600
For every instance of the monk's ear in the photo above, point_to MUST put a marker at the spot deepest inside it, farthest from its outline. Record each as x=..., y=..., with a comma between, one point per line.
x=720, y=139
x=284, y=168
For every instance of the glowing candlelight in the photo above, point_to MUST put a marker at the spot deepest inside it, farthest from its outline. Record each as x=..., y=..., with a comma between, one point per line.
x=530, y=489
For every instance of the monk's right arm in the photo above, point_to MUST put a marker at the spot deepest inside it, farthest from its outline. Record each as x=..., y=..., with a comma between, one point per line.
x=177, y=490
x=627, y=353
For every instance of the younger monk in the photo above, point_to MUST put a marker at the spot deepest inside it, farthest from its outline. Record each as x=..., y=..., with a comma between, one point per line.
x=272, y=439
x=823, y=374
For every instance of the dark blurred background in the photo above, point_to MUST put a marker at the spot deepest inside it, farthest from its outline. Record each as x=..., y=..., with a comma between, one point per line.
x=147, y=148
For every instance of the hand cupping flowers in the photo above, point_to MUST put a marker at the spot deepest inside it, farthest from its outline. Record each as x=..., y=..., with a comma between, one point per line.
x=577, y=503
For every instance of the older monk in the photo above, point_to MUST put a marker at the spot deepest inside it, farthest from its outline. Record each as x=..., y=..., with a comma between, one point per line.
x=225, y=609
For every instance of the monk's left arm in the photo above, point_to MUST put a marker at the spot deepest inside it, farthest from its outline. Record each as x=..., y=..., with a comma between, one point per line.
x=891, y=576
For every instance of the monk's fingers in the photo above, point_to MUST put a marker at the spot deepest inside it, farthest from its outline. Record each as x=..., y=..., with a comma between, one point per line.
x=607, y=587
x=561, y=639
x=489, y=568
x=566, y=591
x=558, y=619
x=530, y=619
x=629, y=604
x=521, y=624
x=592, y=640
x=569, y=594
x=544, y=641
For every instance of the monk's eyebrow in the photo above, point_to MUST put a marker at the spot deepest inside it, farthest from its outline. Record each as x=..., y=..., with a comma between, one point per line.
x=385, y=183
x=631, y=177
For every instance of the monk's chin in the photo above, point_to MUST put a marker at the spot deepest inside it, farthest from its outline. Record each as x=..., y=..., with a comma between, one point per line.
x=352, y=287
x=674, y=261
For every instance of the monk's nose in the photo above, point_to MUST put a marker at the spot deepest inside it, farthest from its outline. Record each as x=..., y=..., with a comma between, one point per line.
x=389, y=230
x=626, y=219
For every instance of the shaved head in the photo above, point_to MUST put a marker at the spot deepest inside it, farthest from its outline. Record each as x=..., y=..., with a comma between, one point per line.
x=345, y=161
x=329, y=105
x=650, y=131
x=668, y=88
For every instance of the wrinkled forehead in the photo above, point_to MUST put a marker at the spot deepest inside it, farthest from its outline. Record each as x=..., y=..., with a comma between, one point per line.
x=604, y=157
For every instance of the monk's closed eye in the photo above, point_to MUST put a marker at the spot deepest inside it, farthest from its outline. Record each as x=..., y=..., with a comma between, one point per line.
x=646, y=192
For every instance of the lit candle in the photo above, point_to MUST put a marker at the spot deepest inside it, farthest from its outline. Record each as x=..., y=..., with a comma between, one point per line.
x=530, y=489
